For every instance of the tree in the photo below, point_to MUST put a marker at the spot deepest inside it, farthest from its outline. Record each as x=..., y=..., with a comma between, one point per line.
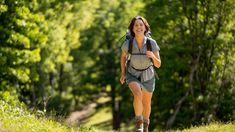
x=193, y=35
x=100, y=49
x=21, y=42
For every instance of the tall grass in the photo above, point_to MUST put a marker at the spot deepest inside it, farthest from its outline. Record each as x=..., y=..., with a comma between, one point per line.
x=14, y=117
x=213, y=127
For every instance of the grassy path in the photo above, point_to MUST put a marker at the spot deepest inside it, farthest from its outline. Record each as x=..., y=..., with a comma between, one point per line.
x=14, y=117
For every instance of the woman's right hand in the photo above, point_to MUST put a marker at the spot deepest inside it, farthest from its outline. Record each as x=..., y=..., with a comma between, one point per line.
x=122, y=79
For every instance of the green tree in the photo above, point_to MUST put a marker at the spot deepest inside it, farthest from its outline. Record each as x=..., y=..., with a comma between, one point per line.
x=21, y=40
x=65, y=21
x=100, y=49
x=196, y=39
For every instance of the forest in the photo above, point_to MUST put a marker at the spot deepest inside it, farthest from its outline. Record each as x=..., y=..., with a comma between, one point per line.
x=61, y=56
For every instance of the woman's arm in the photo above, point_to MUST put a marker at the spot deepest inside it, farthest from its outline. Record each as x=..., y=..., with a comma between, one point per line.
x=155, y=57
x=122, y=62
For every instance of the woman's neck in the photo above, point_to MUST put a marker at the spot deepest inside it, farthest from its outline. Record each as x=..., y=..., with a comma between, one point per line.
x=139, y=40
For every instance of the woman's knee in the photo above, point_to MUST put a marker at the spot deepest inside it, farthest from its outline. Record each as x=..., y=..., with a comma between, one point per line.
x=137, y=94
x=147, y=104
x=135, y=89
x=147, y=99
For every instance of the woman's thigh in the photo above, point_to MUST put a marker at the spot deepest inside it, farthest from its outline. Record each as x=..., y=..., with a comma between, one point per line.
x=135, y=88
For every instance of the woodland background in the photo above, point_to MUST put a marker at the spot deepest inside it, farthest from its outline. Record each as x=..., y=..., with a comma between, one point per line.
x=60, y=56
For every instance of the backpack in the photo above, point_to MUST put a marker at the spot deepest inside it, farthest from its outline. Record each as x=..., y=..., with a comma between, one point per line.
x=130, y=45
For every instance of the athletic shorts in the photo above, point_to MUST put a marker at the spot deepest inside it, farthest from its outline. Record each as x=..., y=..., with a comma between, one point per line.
x=147, y=85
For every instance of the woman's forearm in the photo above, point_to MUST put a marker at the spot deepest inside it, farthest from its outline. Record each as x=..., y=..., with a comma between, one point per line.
x=156, y=60
x=123, y=61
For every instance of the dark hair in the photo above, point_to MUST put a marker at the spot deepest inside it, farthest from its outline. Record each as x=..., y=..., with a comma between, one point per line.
x=131, y=26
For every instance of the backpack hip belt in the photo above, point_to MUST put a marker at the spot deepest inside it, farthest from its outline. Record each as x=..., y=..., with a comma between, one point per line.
x=140, y=69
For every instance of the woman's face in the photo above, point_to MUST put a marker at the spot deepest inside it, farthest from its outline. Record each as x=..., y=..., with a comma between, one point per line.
x=139, y=27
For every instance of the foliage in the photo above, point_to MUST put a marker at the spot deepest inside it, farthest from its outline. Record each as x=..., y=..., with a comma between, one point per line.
x=62, y=55
x=192, y=38
x=21, y=40
x=215, y=127
x=10, y=99
x=17, y=118
x=100, y=51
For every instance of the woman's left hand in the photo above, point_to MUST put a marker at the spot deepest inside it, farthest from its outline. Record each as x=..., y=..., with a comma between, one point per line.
x=150, y=54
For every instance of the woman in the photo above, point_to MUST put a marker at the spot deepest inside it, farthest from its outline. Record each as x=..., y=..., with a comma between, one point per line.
x=139, y=71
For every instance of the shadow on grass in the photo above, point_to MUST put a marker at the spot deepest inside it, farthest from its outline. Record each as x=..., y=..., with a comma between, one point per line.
x=105, y=125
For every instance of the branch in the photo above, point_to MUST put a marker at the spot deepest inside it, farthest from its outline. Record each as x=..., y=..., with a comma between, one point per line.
x=171, y=120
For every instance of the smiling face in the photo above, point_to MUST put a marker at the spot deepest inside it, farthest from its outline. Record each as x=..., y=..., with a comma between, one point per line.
x=139, y=28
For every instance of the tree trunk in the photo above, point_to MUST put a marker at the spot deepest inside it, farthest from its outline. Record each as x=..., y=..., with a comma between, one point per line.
x=41, y=86
x=52, y=82
x=33, y=94
x=61, y=79
x=115, y=109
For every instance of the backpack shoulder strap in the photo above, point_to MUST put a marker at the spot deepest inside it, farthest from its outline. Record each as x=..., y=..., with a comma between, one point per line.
x=130, y=46
x=149, y=46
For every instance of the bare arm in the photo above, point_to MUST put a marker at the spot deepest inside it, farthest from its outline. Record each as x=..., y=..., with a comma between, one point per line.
x=155, y=57
x=122, y=62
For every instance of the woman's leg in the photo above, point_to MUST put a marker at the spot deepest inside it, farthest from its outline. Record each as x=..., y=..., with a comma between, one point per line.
x=146, y=109
x=138, y=105
x=147, y=96
x=137, y=93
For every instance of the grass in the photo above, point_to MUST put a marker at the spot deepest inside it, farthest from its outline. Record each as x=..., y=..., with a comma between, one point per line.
x=15, y=118
x=102, y=118
x=102, y=121
x=102, y=115
x=18, y=119
x=213, y=127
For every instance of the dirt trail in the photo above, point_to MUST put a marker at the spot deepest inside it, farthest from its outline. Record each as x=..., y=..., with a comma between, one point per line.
x=77, y=116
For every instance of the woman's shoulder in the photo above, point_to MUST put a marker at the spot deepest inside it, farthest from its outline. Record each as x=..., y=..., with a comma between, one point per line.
x=126, y=42
x=125, y=45
x=154, y=44
x=152, y=41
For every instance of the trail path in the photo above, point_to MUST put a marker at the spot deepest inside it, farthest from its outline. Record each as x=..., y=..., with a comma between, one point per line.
x=78, y=116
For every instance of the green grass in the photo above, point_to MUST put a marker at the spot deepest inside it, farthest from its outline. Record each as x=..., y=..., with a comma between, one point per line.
x=102, y=121
x=102, y=115
x=213, y=127
x=18, y=119
x=15, y=118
